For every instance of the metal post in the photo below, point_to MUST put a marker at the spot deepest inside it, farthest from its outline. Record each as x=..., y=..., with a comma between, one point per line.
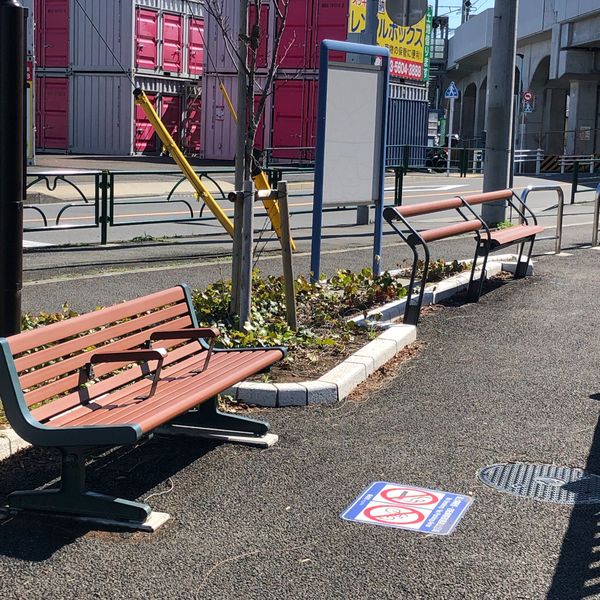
x=247, y=243
x=406, y=158
x=575, y=182
x=104, y=186
x=287, y=256
x=501, y=85
x=596, y=217
x=398, y=186
x=538, y=161
x=450, y=125
x=12, y=162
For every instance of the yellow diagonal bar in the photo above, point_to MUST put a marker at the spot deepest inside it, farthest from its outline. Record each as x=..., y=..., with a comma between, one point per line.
x=173, y=149
x=260, y=180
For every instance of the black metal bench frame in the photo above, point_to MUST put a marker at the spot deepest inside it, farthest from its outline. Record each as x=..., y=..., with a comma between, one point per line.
x=484, y=246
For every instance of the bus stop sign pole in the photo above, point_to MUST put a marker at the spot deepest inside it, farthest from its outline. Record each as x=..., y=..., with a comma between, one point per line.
x=12, y=162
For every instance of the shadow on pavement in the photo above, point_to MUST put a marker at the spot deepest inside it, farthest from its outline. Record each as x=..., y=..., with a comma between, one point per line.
x=577, y=574
x=125, y=472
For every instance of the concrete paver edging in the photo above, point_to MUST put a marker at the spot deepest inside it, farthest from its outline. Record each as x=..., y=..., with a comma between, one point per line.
x=339, y=382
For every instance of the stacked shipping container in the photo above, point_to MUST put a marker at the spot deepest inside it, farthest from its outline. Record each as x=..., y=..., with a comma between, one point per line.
x=84, y=72
x=290, y=117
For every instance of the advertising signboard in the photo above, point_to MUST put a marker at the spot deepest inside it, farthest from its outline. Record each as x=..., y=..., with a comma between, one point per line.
x=409, y=46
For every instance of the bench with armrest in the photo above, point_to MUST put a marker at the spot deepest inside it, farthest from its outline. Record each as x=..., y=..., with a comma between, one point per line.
x=111, y=377
x=487, y=240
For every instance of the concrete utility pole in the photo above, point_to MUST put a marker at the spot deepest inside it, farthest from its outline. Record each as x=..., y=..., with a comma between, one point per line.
x=12, y=162
x=500, y=108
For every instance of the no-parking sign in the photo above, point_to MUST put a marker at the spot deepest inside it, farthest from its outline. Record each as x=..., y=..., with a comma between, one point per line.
x=408, y=507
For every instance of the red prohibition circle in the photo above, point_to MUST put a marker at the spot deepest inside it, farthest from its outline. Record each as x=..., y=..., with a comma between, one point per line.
x=407, y=516
x=528, y=96
x=424, y=499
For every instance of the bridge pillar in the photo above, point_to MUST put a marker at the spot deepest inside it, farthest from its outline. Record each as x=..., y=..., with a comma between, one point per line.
x=583, y=97
x=555, y=111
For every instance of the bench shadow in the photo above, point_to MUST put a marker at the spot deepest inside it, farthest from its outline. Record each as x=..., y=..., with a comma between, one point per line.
x=577, y=574
x=127, y=472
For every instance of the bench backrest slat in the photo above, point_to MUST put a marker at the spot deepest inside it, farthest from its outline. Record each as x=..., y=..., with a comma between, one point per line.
x=50, y=334
x=48, y=360
x=424, y=208
x=488, y=197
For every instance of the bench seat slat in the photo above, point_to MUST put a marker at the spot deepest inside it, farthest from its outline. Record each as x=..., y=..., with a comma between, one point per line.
x=175, y=395
x=424, y=208
x=69, y=382
x=50, y=334
x=29, y=361
x=513, y=234
x=440, y=233
x=182, y=360
x=106, y=386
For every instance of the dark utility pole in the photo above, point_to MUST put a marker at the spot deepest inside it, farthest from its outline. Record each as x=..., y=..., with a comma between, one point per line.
x=501, y=87
x=12, y=161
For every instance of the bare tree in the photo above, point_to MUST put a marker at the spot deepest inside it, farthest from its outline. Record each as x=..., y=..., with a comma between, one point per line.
x=251, y=43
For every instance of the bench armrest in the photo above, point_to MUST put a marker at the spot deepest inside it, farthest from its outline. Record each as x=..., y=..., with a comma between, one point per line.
x=121, y=356
x=194, y=333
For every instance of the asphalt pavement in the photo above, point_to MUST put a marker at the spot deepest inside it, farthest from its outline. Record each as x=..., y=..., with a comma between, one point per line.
x=513, y=378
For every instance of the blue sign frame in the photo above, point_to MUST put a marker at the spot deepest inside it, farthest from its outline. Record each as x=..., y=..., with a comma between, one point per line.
x=328, y=46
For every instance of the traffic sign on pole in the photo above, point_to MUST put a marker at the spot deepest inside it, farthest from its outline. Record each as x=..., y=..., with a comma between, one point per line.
x=451, y=92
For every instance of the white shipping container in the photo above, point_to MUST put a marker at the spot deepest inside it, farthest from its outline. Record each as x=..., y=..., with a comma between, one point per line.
x=100, y=114
x=217, y=58
x=218, y=125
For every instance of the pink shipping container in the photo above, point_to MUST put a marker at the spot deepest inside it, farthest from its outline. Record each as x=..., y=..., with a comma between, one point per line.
x=52, y=113
x=52, y=33
x=294, y=118
x=170, y=113
x=172, y=43
x=144, y=141
x=146, y=39
x=294, y=49
x=196, y=46
x=191, y=124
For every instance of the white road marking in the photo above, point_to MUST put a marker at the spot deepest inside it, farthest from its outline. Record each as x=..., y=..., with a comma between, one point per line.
x=428, y=188
x=31, y=244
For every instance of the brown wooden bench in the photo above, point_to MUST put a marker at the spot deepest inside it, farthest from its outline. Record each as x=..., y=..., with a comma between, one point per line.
x=487, y=240
x=109, y=378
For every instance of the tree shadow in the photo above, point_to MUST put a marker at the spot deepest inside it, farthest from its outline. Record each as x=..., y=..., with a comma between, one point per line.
x=128, y=472
x=577, y=574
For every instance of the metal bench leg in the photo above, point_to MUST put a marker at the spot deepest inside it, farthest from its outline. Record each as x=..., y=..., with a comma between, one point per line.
x=412, y=311
x=521, y=269
x=476, y=285
x=72, y=499
x=208, y=418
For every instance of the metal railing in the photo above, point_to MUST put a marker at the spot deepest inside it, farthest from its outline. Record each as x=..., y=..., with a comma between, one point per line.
x=559, y=213
x=523, y=157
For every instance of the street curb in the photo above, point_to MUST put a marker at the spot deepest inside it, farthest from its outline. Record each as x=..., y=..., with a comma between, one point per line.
x=340, y=381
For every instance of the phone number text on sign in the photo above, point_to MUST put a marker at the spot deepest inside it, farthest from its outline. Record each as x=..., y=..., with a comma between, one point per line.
x=406, y=69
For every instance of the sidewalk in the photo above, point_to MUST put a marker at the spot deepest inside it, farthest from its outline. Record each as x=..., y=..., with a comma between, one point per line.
x=513, y=378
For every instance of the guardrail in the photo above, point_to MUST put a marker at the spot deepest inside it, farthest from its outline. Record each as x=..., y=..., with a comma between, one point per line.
x=522, y=157
x=559, y=213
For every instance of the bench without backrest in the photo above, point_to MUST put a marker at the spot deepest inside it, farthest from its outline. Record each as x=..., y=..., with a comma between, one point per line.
x=110, y=377
x=486, y=240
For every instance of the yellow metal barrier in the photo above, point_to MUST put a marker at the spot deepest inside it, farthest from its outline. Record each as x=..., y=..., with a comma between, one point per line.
x=165, y=137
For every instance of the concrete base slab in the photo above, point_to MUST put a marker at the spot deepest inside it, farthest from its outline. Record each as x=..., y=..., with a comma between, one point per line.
x=154, y=521
x=264, y=441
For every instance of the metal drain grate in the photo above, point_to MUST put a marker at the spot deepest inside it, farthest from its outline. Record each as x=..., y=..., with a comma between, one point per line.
x=548, y=483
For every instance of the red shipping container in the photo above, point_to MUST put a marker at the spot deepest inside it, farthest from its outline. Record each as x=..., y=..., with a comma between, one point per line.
x=330, y=23
x=196, y=47
x=170, y=114
x=144, y=139
x=261, y=55
x=294, y=49
x=146, y=42
x=294, y=118
x=192, y=138
x=172, y=38
x=52, y=114
x=52, y=33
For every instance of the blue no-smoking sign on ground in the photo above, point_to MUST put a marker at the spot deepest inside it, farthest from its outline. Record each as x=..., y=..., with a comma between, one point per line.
x=408, y=507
